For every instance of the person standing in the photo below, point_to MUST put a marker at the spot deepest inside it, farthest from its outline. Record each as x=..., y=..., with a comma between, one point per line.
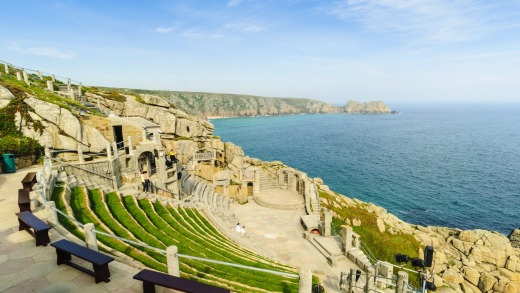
x=145, y=180
x=172, y=157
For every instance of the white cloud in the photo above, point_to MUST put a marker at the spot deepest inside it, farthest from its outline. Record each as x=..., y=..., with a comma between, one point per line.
x=444, y=20
x=163, y=30
x=44, y=51
x=244, y=27
x=232, y=3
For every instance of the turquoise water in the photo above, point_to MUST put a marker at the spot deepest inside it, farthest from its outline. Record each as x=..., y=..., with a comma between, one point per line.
x=452, y=165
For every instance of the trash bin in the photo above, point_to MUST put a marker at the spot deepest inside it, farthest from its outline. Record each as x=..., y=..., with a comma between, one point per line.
x=8, y=163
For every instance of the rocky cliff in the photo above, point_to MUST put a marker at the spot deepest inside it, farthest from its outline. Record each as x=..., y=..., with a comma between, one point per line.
x=230, y=105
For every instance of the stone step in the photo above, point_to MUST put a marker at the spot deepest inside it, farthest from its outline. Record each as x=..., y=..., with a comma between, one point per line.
x=331, y=258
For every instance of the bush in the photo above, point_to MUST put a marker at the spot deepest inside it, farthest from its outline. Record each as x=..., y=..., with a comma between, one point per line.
x=20, y=146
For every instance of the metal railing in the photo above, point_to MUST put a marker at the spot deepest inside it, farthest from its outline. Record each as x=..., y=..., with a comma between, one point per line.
x=364, y=248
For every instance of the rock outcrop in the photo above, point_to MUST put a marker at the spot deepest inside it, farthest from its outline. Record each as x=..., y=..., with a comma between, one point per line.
x=231, y=105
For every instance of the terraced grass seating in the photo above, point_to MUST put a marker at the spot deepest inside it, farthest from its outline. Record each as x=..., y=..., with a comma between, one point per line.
x=29, y=180
x=41, y=230
x=152, y=278
x=160, y=226
x=65, y=249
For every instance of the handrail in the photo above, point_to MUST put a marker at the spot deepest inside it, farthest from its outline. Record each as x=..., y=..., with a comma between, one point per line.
x=83, y=169
x=37, y=71
x=364, y=248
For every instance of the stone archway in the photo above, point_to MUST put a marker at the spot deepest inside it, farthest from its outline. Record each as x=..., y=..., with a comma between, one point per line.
x=146, y=161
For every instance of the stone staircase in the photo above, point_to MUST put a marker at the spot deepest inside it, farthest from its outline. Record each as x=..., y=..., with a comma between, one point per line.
x=359, y=258
x=330, y=247
x=267, y=182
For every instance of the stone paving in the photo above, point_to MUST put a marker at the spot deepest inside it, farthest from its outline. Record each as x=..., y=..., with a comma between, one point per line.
x=27, y=268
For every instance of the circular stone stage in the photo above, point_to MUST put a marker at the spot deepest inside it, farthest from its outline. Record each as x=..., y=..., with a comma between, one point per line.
x=279, y=199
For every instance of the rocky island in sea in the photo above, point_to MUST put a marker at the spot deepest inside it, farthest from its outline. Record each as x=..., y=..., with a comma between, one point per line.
x=214, y=174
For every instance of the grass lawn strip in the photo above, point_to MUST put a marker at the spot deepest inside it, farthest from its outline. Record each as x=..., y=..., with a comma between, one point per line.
x=165, y=214
x=58, y=196
x=159, y=222
x=253, y=276
x=101, y=210
x=119, y=212
x=193, y=216
x=140, y=217
x=81, y=205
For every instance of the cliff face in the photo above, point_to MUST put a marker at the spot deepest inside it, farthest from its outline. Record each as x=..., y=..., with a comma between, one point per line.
x=230, y=105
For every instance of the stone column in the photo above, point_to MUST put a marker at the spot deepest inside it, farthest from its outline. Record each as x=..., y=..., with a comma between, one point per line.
x=18, y=75
x=116, y=151
x=40, y=75
x=47, y=152
x=305, y=284
x=68, y=85
x=343, y=279
x=130, y=150
x=402, y=280
x=50, y=85
x=386, y=270
x=144, y=135
x=370, y=280
x=346, y=238
x=79, y=89
x=80, y=154
x=52, y=215
x=25, y=76
x=90, y=236
x=172, y=261
x=53, y=78
x=6, y=68
x=109, y=155
x=71, y=93
x=114, y=179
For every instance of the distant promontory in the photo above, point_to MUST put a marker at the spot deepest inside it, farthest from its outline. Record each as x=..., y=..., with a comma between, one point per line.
x=234, y=105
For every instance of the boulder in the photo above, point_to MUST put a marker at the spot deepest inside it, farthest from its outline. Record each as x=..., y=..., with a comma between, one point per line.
x=512, y=287
x=471, y=274
x=356, y=222
x=380, y=225
x=467, y=287
x=154, y=100
x=5, y=96
x=514, y=237
x=453, y=276
x=486, y=282
x=48, y=111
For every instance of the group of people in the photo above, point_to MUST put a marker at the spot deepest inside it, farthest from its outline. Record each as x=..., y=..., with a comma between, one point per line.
x=240, y=229
x=145, y=178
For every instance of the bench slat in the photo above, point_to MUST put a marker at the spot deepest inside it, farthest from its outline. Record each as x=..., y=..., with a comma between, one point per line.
x=33, y=221
x=177, y=283
x=82, y=252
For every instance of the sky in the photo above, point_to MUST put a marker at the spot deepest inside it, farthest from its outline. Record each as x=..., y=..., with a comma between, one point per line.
x=422, y=51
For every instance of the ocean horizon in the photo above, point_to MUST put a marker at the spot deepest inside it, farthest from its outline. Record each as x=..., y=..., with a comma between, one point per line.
x=453, y=165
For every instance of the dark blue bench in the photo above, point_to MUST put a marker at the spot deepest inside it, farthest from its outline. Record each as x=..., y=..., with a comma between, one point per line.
x=41, y=230
x=65, y=249
x=152, y=278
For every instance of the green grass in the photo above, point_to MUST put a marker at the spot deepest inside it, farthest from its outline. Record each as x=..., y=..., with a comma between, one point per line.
x=160, y=227
x=57, y=196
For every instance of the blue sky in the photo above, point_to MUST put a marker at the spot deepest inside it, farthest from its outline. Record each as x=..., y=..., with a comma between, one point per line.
x=334, y=51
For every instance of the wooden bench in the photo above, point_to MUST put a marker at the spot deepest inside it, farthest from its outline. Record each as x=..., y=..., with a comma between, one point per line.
x=152, y=278
x=24, y=200
x=65, y=249
x=29, y=180
x=41, y=230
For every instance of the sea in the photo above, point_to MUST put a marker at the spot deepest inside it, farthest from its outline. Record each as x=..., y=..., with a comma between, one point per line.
x=453, y=165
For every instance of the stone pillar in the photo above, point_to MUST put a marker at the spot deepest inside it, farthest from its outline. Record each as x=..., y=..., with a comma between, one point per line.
x=352, y=279
x=116, y=152
x=53, y=78
x=130, y=150
x=346, y=238
x=47, y=152
x=52, y=215
x=50, y=85
x=402, y=280
x=144, y=135
x=114, y=180
x=6, y=68
x=68, y=85
x=80, y=154
x=40, y=75
x=172, y=261
x=370, y=280
x=71, y=93
x=305, y=284
x=90, y=236
x=18, y=75
x=343, y=280
x=79, y=89
x=386, y=270
x=109, y=155
x=325, y=223
x=25, y=76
